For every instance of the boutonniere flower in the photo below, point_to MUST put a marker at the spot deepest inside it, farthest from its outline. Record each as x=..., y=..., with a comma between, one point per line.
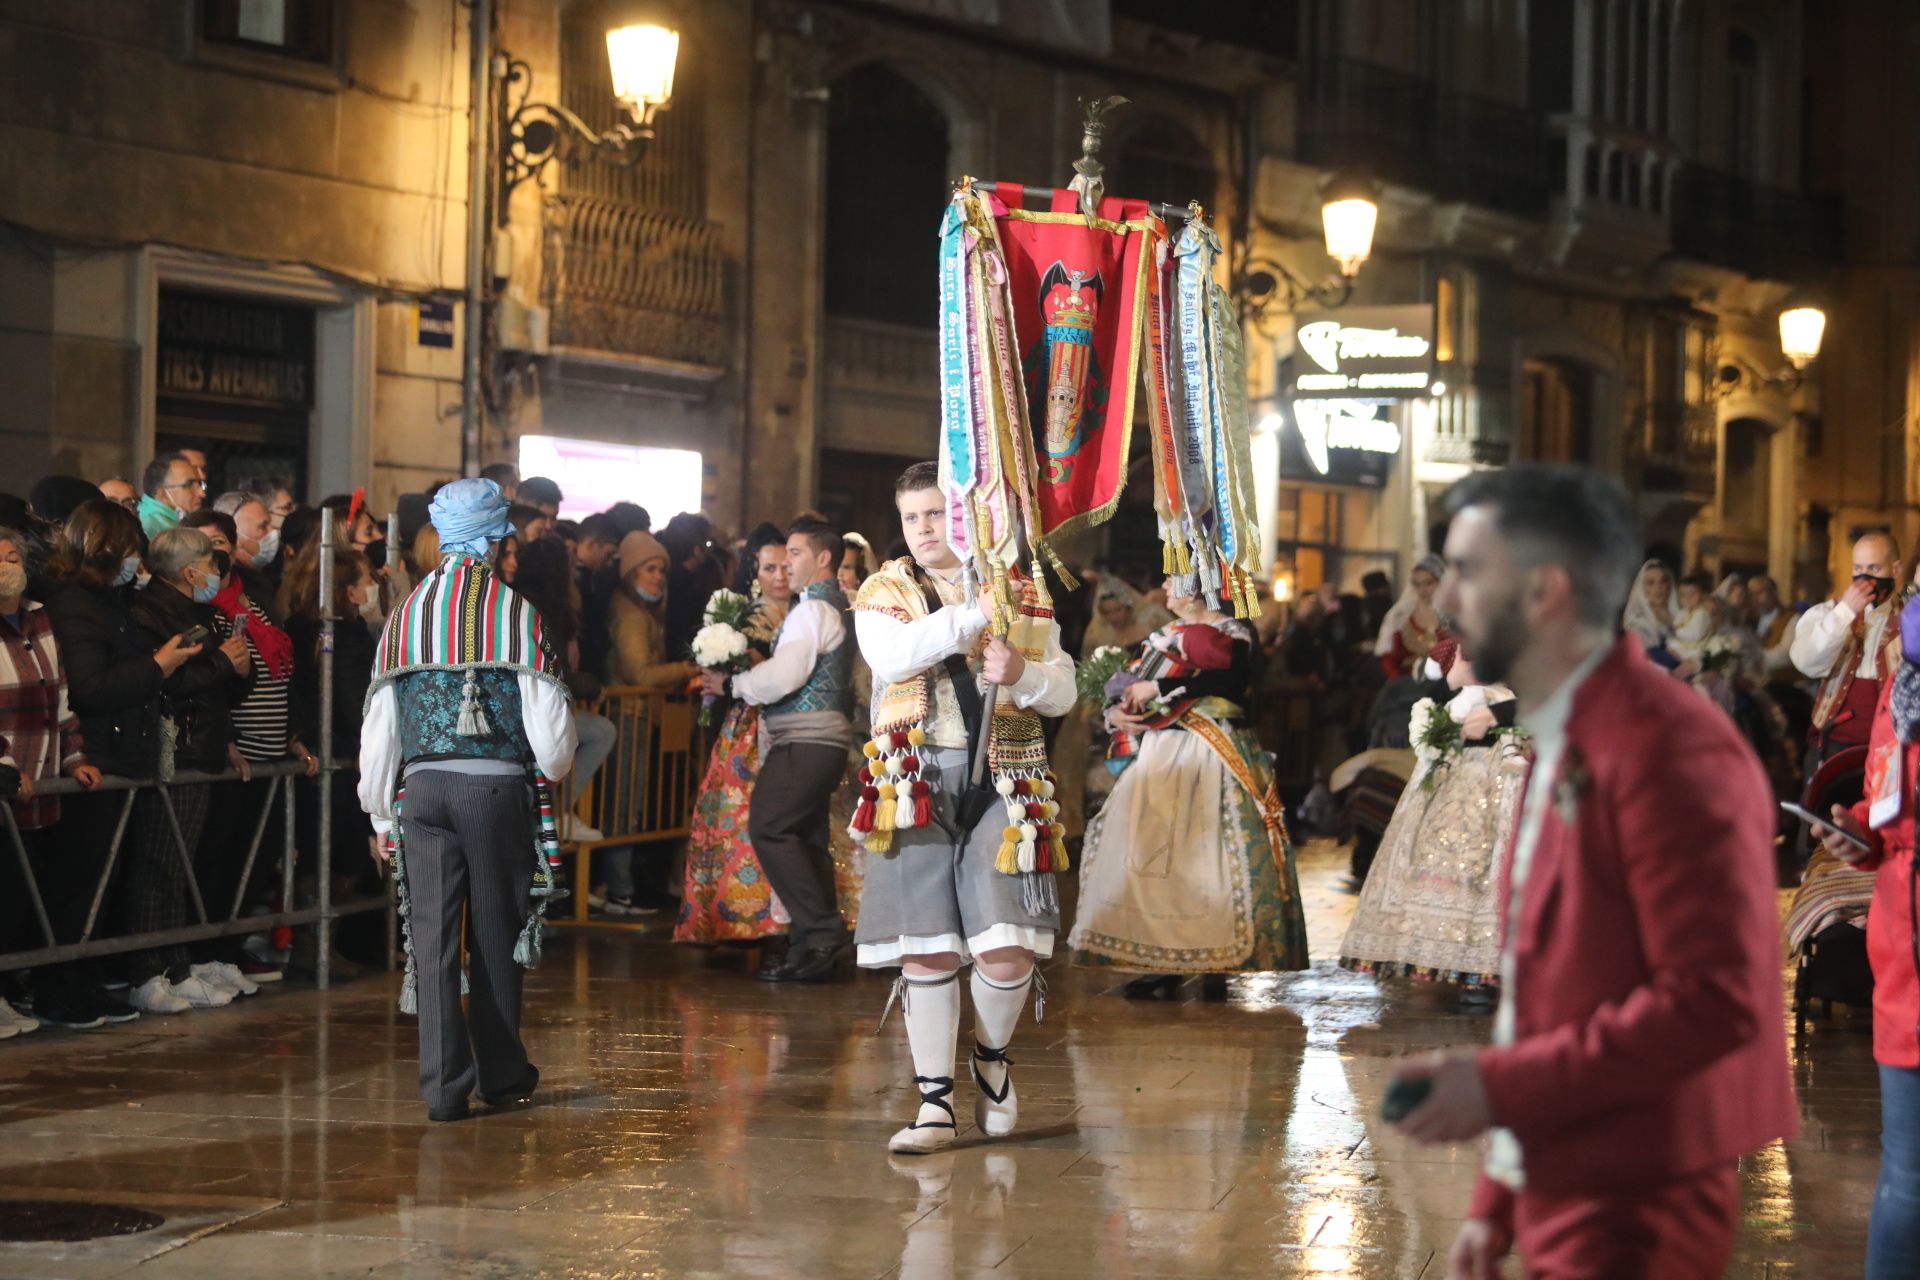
x=1573, y=783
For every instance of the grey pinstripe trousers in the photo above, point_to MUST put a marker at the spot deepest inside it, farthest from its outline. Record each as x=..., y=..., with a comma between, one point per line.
x=469, y=842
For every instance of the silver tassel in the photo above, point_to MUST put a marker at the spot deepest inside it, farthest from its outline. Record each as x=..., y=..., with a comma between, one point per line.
x=473, y=721
x=526, y=952
x=1039, y=996
x=899, y=994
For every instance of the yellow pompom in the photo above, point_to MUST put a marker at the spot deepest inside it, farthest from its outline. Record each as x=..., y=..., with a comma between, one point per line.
x=917, y=737
x=871, y=751
x=1007, y=861
x=886, y=790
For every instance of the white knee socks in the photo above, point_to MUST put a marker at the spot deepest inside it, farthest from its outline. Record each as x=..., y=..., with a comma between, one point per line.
x=932, y=1007
x=996, y=1012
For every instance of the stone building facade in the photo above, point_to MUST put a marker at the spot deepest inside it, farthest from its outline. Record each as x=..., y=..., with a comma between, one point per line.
x=246, y=220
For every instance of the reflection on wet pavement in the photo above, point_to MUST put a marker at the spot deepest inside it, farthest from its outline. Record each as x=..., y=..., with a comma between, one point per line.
x=695, y=1123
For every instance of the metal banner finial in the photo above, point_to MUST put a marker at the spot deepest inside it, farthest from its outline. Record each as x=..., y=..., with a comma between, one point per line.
x=1089, y=174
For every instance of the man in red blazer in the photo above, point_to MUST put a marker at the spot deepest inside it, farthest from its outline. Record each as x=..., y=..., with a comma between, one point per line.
x=1640, y=1046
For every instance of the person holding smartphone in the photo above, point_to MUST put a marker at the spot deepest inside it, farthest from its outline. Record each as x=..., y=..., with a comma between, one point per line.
x=1884, y=821
x=196, y=707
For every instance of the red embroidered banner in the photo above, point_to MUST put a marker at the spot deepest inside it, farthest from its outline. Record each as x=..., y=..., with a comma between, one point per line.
x=1079, y=288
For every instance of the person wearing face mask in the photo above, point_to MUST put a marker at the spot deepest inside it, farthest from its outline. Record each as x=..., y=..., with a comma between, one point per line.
x=196, y=706
x=260, y=736
x=114, y=678
x=172, y=486
x=636, y=618
x=1847, y=645
x=256, y=547
x=39, y=741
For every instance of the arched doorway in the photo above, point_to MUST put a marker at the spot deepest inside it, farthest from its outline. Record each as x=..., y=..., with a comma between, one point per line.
x=887, y=150
x=886, y=185
x=1746, y=495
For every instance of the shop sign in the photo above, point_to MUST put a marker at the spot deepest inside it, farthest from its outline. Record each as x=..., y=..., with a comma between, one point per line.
x=235, y=350
x=1340, y=441
x=1368, y=353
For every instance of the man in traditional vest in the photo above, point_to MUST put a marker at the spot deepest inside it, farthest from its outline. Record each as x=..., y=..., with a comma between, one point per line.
x=943, y=885
x=1847, y=646
x=467, y=723
x=806, y=689
x=1774, y=624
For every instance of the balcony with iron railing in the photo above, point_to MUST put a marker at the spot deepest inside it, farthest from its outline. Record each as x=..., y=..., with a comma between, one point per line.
x=1405, y=129
x=1734, y=222
x=1680, y=449
x=622, y=280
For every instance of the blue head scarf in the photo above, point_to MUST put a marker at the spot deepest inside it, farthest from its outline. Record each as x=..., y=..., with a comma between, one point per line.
x=470, y=516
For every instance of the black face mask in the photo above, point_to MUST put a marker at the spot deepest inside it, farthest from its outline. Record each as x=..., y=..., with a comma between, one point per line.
x=376, y=553
x=1882, y=587
x=222, y=564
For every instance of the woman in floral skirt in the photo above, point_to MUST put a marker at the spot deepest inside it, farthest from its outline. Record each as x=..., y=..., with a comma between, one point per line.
x=726, y=896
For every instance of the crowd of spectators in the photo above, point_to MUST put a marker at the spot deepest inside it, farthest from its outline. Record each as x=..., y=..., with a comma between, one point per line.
x=168, y=630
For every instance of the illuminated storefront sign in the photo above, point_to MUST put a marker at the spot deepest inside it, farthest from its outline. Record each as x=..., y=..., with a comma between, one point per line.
x=1365, y=353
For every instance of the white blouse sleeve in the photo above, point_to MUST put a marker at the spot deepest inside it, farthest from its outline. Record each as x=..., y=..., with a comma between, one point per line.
x=380, y=757
x=897, y=650
x=547, y=714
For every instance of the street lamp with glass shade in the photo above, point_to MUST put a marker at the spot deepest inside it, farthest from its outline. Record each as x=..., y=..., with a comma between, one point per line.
x=642, y=56
x=643, y=49
x=1802, y=326
x=1349, y=211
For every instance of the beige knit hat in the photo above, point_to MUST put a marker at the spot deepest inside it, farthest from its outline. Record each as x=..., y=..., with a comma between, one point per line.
x=638, y=548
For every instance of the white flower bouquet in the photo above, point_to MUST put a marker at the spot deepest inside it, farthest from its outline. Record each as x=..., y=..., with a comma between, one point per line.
x=721, y=643
x=1720, y=655
x=1102, y=665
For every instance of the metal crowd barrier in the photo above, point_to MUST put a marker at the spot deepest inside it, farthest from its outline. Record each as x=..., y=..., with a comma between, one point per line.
x=644, y=792
x=231, y=921
x=321, y=915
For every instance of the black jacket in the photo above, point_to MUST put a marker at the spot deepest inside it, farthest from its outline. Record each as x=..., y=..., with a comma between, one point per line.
x=353, y=650
x=113, y=683
x=201, y=695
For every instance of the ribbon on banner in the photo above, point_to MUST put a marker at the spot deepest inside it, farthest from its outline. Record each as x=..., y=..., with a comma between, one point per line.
x=957, y=395
x=1198, y=436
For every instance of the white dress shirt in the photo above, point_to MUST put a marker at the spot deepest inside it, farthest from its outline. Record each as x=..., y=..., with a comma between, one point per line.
x=546, y=713
x=897, y=651
x=1548, y=729
x=1822, y=632
x=812, y=628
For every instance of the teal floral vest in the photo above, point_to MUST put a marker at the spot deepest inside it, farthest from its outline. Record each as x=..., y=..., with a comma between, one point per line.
x=830, y=687
x=429, y=729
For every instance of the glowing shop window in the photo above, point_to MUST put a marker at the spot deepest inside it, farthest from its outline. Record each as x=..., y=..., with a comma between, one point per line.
x=593, y=475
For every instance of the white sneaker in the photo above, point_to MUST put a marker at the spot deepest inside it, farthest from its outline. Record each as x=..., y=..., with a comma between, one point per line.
x=596, y=900
x=8, y=1030
x=571, y=828
x=211, y=974
x=201, y=994
x=156, y=995
x=239, y=982
x=20, y=1022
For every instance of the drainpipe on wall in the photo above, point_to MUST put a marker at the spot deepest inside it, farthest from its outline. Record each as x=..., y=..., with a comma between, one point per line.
x=479, y=170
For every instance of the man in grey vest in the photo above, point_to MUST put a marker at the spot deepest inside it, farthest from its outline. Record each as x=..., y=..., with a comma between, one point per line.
x=806, y=688
x=467, y=722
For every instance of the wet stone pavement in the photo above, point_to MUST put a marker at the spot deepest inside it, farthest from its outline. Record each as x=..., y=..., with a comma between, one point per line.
x=692, y=1123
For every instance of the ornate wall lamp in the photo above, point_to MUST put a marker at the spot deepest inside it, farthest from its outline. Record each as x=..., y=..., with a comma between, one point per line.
x=1349, y=211
x=643, y=46
x=1802, y=327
